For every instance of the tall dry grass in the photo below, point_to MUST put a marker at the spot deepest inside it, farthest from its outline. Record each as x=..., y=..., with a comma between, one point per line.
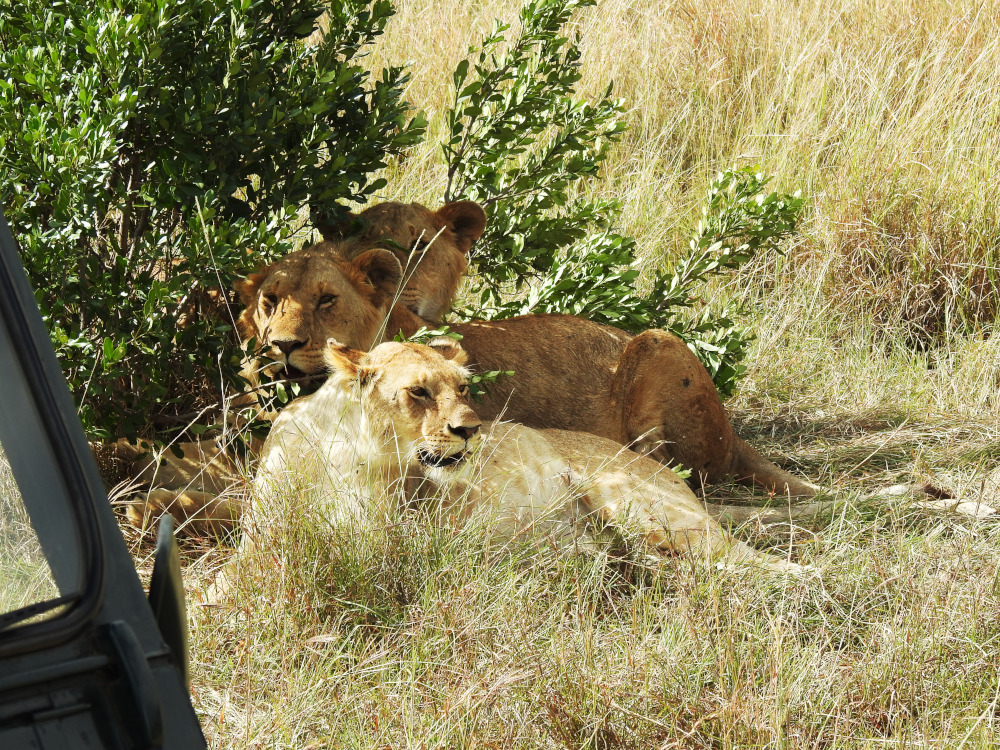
x=27, y=578
x=407, y=636
x=883, y=113
x=874, y=364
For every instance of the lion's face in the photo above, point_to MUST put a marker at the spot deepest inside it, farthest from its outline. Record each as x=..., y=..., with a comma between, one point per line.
x=416, y=395
x=432, y=247
x=296, y=305
x=344, y=287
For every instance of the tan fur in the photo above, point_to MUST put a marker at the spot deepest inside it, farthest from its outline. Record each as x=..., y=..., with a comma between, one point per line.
x=432, y=247
x=311, y=295
x=396, y=411
x=206, y=513
x=647, y=391
x=329, y=447
x=408, y=393
x=197, y=482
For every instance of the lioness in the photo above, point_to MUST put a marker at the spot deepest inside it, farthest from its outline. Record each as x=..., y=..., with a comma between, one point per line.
x=649, y=391
x=433, y=266
x=403, y=409
x=354, y=296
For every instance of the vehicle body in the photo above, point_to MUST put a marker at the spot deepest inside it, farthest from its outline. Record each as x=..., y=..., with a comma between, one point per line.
x=86, y=660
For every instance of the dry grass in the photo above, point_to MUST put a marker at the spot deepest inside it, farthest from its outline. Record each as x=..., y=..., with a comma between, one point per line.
x=883, y=113
x=406, y=636
x=873, y=365
x=27, y=578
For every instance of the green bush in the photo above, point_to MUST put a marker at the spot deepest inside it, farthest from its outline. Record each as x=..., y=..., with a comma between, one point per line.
x=150, y=152
x=520, y=143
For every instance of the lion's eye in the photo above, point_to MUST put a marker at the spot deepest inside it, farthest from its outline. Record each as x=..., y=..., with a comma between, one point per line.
x=270, y=301
x=463, y=390
x=326, y=300
x=418, y=392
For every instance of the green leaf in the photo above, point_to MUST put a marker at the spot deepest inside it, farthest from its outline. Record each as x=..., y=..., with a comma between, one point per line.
x=215, y=128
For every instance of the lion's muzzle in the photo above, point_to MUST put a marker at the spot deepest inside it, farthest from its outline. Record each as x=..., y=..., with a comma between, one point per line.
x=426, y=458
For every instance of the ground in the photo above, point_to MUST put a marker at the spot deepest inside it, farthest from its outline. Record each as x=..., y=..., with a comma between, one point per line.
x=403, y=636
x=874, y=365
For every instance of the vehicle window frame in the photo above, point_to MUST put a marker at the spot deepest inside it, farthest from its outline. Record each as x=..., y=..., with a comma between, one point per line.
x=47, y=390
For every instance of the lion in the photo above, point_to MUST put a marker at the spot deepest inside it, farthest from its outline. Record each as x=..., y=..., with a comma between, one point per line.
x=345, y=289
x=433, y=270
x=402, y=411
x=649, y=392
x=316, y=292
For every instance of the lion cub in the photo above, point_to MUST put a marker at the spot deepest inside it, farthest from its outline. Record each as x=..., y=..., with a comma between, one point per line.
x=401, y=411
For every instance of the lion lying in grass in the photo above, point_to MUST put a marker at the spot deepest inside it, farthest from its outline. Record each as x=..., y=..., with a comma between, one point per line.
x=649, y=391
x=385, y=418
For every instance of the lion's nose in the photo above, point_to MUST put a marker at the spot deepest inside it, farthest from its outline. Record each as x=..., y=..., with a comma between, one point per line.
x=464, y=432
x=287, y=346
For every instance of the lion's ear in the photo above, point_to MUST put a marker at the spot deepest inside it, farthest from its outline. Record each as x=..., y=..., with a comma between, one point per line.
x=247, y=288
x=467, y=220
x=448, y=348
x=345, y=225
x=342, y=359
x=382, y=270
x=347, y=367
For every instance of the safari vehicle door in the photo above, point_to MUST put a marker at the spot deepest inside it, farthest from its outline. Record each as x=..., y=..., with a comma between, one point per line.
x=84, y=661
